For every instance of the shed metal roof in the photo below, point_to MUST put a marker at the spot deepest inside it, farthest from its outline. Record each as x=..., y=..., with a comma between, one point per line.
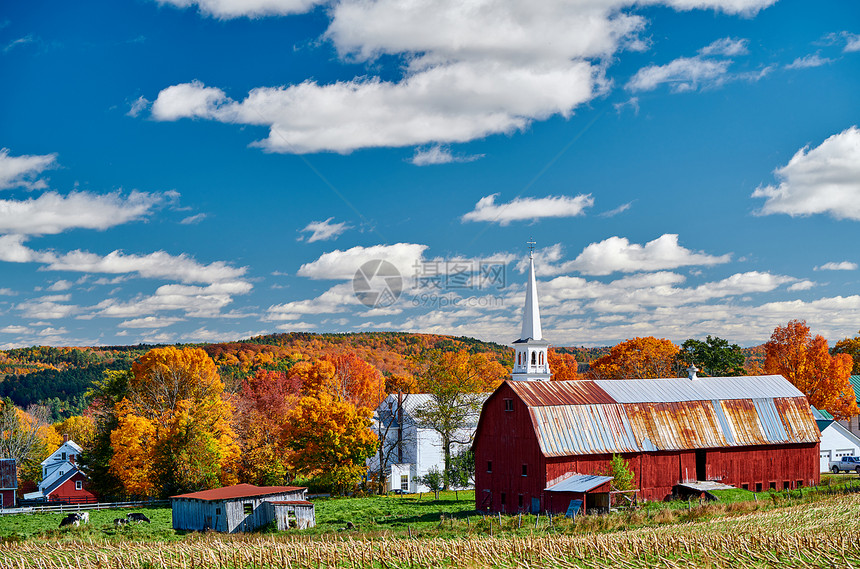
x=617, y=416
x=239, y=491
x=578, y=483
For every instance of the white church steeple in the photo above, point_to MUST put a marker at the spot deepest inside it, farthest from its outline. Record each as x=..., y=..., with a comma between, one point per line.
x=530, y=359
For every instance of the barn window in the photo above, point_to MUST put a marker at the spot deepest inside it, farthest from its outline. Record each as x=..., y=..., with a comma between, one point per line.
x=799, y=484
x=786, y=485
x=509, y=404
x=520, y=500
x=489, y=466
x=79, y=485
x=503, y=498
x=525, y=470
x=773, y=485
x=248, y=508
x=758, y=486
x=745, y=486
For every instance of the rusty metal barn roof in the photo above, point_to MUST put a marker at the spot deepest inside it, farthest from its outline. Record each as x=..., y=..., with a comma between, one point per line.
x=616, y=416
x=239, y=491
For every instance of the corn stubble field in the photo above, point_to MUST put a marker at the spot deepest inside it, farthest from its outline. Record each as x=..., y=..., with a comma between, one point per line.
x=825, y=533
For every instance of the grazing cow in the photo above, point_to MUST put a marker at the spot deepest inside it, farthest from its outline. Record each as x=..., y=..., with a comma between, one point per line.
x=137, y=517
x=84, y=517
x=70, y=520
x=120, y=521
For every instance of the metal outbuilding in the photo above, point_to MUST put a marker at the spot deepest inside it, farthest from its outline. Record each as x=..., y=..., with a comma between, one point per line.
x=243, y=507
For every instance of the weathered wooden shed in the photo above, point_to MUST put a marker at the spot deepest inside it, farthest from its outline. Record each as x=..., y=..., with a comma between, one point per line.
x=749, y=432
x=294, y=514
x=243, y=507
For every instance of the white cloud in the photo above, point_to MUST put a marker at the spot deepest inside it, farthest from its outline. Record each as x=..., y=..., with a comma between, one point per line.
x=471, y=69
x=18, y=42
x=13, y=250
x=13, y=329
x=808, y=61
x=60, y=285
x=324, y=230
x=620, y=209
x=682, y=74
x=229, y=9
x=194, y=301
x=520, y=209
x=52, y=331
x=341, y=265
x=21, y=171
x=802, y=285
x=138, y=106
x=52, y=213
x=48, y=308
x=852, y=42
x=439, y=155
x=726, y=46
x=825, y=179
x=840, y=266
x=192, y=219
x=617, y=254
x=148, y=322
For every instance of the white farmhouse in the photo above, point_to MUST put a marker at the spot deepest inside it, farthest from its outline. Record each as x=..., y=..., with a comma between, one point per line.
x=62, y=478
x=409, y=449
x=836, y=440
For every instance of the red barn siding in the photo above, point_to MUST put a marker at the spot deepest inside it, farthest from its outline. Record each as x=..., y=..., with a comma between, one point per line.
x=7, y=498
x=66, y=491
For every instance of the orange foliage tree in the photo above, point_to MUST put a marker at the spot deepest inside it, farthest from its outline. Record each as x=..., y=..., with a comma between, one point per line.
x=805, y=361
x=81, y=429
x=647, y=357
x=356, y=381
x=330, y=439
x=850, y=346
x=563, y=366
x=178, y=397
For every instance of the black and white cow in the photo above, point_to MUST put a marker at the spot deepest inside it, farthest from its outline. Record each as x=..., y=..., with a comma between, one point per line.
x=71, y=520
x=137, y=517
x=120, y=521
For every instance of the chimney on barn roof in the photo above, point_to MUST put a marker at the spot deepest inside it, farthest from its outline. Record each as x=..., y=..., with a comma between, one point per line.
x=691, y=372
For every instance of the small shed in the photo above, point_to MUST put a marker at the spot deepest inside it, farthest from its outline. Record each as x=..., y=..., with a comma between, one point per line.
x=294, y=514
x=592, y=489
x=243, y=507
x=8, y=482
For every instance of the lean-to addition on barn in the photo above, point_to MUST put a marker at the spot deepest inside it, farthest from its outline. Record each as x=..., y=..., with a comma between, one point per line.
x=243, y=507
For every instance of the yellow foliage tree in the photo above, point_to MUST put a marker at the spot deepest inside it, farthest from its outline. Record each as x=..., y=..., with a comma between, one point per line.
x=647, y=357
x=79, y=428
x=193, y=447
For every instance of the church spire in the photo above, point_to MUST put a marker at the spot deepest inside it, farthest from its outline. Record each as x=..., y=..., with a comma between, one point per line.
x=531, y=311
x=531, y=362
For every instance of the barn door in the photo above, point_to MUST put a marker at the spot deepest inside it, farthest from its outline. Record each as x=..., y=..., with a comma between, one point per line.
x=535, y=505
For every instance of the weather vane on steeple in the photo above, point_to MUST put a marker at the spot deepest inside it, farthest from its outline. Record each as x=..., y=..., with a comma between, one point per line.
x=531, y=245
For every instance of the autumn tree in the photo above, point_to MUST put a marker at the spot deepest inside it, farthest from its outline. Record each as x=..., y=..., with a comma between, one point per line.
x=806, y=362
x=714, y=357
x=175, y=421
x=20, y=439
x=263, y=408
x=81, y=429
x=563, y=366
x=330, y=439
x=356, y=381
x=105, y=394
x=457, y=383
x=647, y=357
x=850, y=346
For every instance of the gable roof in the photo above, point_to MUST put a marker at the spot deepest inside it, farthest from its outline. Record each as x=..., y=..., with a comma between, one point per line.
x=239, y=491
x=412, y=401
x=57, y=454
x=855, y=383
x=637, y=415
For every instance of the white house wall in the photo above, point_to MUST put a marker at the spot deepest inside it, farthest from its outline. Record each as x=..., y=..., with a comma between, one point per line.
x=836, y=442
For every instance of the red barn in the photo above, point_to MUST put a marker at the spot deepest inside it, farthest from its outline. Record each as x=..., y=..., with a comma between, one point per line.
x=749, y=432
x=8, y=482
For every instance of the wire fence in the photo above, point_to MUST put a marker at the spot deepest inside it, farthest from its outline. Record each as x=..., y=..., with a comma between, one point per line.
x=61, y=508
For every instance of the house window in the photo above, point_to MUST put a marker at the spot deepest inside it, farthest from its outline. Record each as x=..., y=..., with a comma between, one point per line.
x=248, y=508
x=79, y=485
x=525, y=470
x=489, y=466
x=64, y=456
x=509, y=404
x=404, y=483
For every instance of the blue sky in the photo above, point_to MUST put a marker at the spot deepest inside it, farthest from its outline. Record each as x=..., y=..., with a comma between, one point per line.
x=206, y=170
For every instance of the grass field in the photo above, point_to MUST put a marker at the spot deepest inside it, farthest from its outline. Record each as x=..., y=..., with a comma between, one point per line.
x=822, y=528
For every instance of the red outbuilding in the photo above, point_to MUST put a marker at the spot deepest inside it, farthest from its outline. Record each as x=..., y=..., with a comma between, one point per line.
x=541, y=444
x=8, y=482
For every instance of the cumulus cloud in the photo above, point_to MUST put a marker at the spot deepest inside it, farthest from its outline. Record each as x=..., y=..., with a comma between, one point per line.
x=22, y=171
x=60, y=285
x=336, y=299
x=149, y=322
x=324, y=230
x=439, y=155
x=520, y=209
x=47, y=308
x=471, y=69
x=808, y=61
x=229, y=9
x=825, y=179
x=194, y=301
x=617, y=254
x=341, y=265
x=52, y=213
x=840, y=266
x=14, y=329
